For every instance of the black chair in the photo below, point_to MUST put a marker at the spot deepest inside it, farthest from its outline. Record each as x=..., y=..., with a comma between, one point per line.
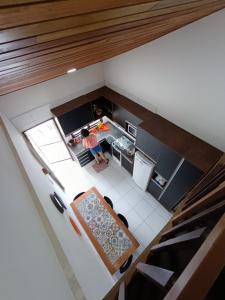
x=78, y=195
x=123, y=219
x=126, y=265
x=109, y=201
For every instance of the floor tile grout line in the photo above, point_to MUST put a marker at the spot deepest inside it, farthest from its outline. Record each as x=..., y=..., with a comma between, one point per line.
x=125, y=187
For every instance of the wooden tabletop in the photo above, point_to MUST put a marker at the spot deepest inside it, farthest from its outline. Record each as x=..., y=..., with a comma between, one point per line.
x=111, y=238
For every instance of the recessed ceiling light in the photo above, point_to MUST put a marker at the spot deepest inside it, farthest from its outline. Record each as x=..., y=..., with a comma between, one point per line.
x=71, y=70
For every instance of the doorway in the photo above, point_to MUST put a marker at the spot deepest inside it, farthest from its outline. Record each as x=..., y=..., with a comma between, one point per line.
x=48, y=143
x=48, y=147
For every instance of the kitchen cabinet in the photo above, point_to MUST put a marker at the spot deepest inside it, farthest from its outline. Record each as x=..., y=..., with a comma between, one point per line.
x=186, y=176
x=166, y=159
x=198, y=152
x=127, y=164
x=154, y=189
x=121, y=115
x=104, y=106
x=148, y=144
x=76, y=118
x=106, y=147
x=167, y=162
x=84, y=158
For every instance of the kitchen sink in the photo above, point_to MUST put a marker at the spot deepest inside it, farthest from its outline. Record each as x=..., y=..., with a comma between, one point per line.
x=110, y=139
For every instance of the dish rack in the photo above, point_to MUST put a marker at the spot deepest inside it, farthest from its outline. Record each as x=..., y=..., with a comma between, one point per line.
x=110, y=139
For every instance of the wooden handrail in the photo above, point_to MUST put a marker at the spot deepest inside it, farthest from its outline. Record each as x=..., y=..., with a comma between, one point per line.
x=122, y=292
x=204, y=181
x=217, y=209
x=208, y=199
x=217, y=180
x=202, y=271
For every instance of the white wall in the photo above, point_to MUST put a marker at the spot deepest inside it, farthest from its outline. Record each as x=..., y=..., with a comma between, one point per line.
x=91, y=273
x=181, y=75
x=30, y=106
x=29, y=267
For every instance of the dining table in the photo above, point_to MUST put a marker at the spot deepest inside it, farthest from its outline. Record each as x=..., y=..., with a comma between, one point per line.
x=111, y=238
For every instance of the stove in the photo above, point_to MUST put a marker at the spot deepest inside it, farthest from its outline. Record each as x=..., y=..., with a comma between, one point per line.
x=123, y=143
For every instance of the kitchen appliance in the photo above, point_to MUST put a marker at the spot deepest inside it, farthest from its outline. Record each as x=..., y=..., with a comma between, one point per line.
x=116, y=153
x=124, y=143
x=110, y=139
x=143, y=169
x=131, y=129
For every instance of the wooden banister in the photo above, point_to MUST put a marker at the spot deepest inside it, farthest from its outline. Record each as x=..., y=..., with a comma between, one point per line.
x=200, y=274
x=207, y=214
x=205, y=181
x=220, y=177
x=207, y=200
x=122, y=291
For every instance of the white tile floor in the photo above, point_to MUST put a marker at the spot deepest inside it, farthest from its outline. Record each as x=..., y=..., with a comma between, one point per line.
x=145, y=215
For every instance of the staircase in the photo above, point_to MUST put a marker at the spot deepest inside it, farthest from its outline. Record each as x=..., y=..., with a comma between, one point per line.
x=187, y=259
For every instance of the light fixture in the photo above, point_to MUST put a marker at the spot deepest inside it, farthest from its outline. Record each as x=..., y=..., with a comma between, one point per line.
x=71, y=70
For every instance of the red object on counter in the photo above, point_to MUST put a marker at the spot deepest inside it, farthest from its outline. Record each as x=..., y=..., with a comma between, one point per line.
x=104, y=127
x=74, y=226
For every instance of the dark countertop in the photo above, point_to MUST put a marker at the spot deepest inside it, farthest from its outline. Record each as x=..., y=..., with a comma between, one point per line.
x=192, y=148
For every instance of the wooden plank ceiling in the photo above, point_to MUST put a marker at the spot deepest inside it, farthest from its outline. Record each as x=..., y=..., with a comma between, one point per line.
x=41, y=39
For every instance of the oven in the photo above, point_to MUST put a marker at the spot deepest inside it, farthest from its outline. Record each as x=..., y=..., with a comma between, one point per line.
x=116, y=153
x=131, y=129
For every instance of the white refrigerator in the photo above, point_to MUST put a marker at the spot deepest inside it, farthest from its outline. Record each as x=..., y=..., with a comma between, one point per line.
x=143, y=168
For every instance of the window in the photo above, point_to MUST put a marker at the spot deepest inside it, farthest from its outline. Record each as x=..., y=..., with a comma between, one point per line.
x=48, y=143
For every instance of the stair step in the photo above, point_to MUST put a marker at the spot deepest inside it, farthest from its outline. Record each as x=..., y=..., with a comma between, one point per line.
x=141, y=288
x=122, y=291
x=160, y=276
x=180, y=240
x=175, y=260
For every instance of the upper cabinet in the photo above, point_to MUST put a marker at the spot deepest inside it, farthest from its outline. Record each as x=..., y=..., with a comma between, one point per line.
x=167, y=162
x=166, y=159
x=121, y=115
x=102, y=107
x=148, y=144
x=178, y=174
x=121, y=109
x=183, y=180
x=76, y=118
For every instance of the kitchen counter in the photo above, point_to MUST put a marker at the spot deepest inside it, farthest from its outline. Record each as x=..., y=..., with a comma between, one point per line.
x=113, y=131
x=198, y=152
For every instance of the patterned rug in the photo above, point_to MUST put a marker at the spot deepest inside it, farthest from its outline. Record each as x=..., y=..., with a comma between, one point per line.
x=102, y=165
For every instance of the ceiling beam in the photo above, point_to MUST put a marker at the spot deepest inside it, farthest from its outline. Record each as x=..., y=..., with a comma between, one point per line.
x=57, y=52
x=33, y=13
x=98, y=51
x=74, y=22
x=134, y=20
